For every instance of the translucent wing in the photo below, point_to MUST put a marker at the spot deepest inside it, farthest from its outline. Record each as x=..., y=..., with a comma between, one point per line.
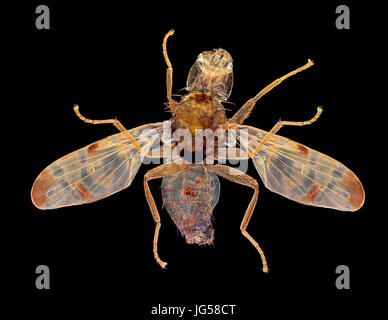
x=303, y=174
x=95, y=171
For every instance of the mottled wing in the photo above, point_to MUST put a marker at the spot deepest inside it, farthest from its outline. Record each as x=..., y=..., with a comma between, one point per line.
x=95, y=171
x=303, y=174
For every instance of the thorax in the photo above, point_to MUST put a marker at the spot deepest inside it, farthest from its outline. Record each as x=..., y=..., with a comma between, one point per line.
x=198, y=111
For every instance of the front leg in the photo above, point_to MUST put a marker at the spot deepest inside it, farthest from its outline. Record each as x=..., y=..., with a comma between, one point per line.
x=116, y=123
x=279, y=125
x=169, y=67
x=247, y=108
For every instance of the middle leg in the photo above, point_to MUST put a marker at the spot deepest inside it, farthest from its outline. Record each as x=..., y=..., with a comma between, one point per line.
x=279, y=125
x=115, y=122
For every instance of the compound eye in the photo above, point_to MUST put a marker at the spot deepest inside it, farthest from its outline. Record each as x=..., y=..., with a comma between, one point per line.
x=229, y=67
x=201, y=61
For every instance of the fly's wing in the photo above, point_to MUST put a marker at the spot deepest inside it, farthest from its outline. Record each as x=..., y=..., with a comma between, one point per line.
x=303, y=174
x=95, y=171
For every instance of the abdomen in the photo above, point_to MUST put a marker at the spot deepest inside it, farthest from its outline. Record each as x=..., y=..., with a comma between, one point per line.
x=189, y=198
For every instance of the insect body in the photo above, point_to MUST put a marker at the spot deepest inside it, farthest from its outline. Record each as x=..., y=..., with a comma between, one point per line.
x=190, y=190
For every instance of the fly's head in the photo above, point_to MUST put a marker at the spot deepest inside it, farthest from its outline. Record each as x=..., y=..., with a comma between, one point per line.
x=200, y=233
x=216, y=60
x=212, y=72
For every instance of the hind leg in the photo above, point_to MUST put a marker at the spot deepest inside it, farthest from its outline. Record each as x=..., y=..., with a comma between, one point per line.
x=163, y=170
x=237, y=176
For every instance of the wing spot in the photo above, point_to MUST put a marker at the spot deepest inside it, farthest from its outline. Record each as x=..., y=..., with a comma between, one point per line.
x=337, y=174
x=40, y=188
x=82, y=191
x=302, y=149
x=356, y=191
x=313, y=193
x=92, y=148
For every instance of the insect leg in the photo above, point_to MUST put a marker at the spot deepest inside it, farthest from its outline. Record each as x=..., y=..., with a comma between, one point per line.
x=162, y=152
x=236, y=154
x=169, y=66
x=163, y=170
x=247, y=108
x=280, y=124
x=116, y=123
x=237, y=176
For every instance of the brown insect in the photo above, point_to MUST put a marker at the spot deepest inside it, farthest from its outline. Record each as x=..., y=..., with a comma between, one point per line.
x=190, y=190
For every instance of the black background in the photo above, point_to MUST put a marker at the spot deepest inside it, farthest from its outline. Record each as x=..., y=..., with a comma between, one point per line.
x=107, y=58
